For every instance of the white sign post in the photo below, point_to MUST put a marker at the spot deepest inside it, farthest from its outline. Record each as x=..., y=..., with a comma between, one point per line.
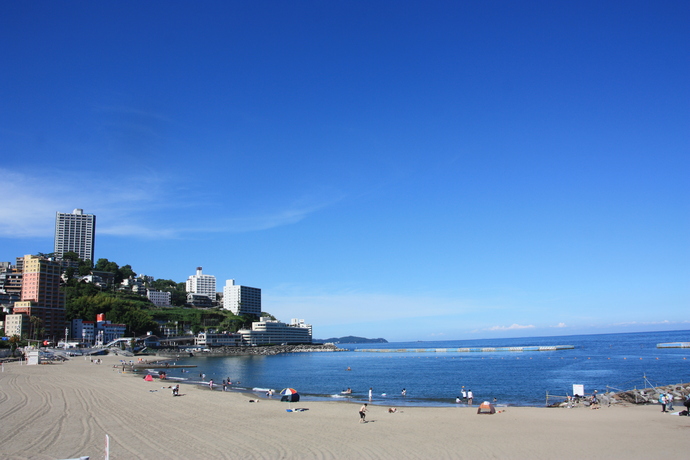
x=578, y=390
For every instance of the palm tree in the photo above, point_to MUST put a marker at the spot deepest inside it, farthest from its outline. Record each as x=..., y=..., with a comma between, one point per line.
x=14, y=342
x=35, y=323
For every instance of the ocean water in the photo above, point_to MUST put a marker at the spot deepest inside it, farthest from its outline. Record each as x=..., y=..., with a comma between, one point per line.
x=599, y=362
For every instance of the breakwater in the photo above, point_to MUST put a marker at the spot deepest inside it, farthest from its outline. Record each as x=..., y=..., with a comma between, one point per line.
x=673, y=345
x=466, y=350
x=259, y=350
x=679, y=392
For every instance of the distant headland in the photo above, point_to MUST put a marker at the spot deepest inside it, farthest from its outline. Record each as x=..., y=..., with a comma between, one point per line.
x=349, y=339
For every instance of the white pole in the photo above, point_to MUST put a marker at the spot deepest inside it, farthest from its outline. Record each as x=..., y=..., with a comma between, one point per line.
x=107, y=447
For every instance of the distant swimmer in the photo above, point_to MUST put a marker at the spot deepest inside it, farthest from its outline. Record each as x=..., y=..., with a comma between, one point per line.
x=348, y=368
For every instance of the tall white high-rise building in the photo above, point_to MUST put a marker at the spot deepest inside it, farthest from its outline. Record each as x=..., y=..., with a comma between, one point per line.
x=75, y=232
x=241, y=300
x=202, y=284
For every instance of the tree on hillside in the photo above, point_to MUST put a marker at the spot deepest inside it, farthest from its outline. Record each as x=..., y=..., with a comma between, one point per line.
x=71, y=255
x=69, y=273
x=104, y=265
x=85, y=267
x=138, y=321
x=178, y=290
x=126, y=272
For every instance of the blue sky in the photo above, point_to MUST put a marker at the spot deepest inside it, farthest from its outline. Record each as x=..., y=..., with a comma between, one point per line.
x=401, y=169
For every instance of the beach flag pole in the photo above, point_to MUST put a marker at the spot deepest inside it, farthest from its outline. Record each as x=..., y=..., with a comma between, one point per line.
x=107, y=448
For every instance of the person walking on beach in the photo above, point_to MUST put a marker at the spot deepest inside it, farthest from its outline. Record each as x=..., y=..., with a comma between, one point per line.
x=464, y=393
x=662, y=401
x=362, y=413
x=470, y=397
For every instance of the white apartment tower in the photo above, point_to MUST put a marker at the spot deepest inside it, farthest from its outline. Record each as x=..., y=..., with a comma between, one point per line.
x=202, y=284
x=75, y=232
x=241, y=300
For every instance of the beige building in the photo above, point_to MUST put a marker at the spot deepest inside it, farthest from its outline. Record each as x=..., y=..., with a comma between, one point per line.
x=17, y=324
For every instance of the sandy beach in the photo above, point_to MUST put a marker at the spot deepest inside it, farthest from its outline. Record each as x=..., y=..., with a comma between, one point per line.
x=60, y=411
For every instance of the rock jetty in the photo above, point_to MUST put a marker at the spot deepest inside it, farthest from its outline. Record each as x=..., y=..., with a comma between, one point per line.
x=261, y=350
x=679, y=392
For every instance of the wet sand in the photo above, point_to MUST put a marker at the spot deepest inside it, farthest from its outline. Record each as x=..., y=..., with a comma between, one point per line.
x=65, y=410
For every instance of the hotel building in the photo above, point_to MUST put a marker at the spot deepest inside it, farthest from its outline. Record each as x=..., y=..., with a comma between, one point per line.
x=75, y=232
x=159, y=298
x=220, y=339
x=202, y=284
x=241, y=300
x=41, y=294
x=267, y=331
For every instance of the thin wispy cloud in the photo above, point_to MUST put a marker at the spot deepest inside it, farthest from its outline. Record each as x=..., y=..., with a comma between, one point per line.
x=135, y=205
x=511, y=327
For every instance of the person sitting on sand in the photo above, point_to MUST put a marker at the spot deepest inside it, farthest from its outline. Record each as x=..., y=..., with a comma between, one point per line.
x=392, y=410
x=595, y=402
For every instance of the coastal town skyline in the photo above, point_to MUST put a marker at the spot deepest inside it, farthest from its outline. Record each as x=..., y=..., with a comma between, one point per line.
x=397, y=170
